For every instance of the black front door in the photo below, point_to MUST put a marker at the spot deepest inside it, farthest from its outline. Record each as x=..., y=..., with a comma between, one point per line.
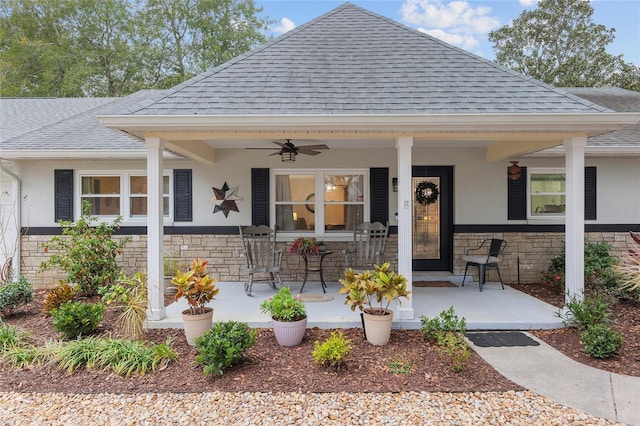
x=432, y=219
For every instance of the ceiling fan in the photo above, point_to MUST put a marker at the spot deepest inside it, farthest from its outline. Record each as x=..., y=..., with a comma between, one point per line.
x=288, y=150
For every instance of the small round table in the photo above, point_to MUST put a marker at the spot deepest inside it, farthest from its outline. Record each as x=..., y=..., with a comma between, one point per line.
x=322, y=254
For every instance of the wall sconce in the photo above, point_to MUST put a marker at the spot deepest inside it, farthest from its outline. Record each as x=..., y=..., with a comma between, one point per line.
x=394, y=184
x=514, y=170
x=288, y=156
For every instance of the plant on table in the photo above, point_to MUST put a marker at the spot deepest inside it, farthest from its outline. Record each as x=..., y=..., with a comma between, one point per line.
x=195, y=286
x=305, y=245
x=284, y=307
x=373, y=291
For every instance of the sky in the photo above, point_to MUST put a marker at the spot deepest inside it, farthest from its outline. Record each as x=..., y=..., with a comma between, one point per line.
x=464, y=24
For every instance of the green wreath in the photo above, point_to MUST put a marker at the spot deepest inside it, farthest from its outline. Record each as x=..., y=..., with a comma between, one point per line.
x=422, y=193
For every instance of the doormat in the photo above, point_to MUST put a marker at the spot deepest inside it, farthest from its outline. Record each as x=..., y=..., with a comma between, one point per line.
x=433, y=284
x=315, y=297
x=501, y=338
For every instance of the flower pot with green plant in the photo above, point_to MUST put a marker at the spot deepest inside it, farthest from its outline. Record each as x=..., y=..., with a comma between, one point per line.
x=171, y=265
x=197, y=288
x=289, y=317
x=307, y=246
x=372, y=292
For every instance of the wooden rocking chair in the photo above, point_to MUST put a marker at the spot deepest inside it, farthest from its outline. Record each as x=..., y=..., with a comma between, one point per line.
x=369, y=242
x=261, y=256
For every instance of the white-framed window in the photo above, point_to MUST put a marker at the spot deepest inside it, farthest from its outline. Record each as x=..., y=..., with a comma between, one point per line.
x=546, y=192
x=120, y=193
x=319, y=202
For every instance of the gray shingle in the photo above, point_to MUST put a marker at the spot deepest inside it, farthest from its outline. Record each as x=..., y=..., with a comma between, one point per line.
x=352, y=61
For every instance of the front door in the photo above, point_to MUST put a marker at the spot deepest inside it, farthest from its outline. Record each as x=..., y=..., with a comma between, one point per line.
x=432, y=218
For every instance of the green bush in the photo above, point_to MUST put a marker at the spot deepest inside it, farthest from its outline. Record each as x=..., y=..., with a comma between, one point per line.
x=129, y=296
x=14, y=294
x=74, y=319
x=333, y=352
x=453, y=345
x=436, y=328
x=222, y=346
x=587, y=312
x=10, y=336
x=86, y=251
x=601, y=341
x=58, y=295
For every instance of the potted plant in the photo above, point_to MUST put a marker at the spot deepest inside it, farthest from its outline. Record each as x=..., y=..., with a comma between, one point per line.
x=198, y=289
x=305, y=246
x=372, y=292
x=289, y=317
x=171, y=266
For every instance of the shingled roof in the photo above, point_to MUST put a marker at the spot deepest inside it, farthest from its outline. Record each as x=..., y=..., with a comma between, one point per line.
x=353, y=61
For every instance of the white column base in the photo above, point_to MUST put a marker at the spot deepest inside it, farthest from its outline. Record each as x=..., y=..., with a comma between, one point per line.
x=406, y=313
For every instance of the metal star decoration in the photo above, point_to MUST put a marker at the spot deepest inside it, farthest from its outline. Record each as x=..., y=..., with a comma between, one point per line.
x=229, y=197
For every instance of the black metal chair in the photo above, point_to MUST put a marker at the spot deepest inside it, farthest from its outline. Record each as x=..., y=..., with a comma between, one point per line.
x=483, y=261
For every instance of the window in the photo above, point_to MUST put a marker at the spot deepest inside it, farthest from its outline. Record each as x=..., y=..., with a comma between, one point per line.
x=546, y=190
x=319, y=202
x=120, y=194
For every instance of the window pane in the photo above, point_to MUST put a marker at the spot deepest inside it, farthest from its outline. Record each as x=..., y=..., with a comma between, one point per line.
x=104, y=206
x=138, y=206
x=343, y=188
x=295, y=188
x=547, y=205
x=552, y=182
x=138, y=185
x=340, y=217
x=100, y=185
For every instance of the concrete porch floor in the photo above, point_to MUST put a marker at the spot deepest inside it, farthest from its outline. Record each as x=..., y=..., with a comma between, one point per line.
x=493, y=309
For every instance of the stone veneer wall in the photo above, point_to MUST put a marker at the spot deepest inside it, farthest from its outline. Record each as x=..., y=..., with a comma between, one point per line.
x=224, y=253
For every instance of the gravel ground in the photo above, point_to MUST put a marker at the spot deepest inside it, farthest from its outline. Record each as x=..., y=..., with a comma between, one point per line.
x=253, y=408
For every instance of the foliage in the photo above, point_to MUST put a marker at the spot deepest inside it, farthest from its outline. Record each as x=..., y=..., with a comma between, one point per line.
x=129, y=295
x=583, y=313
x=401, y=365
x=373, y=291
x=10, y=336
x=78, y=48
x=448, y=331
x=559, y=43
x=86, y=251
x=333, y=352
x=16, y=351
x=453, y=345
x=284, y=307
x=554, y=279
x=305, y=245
x=58, y=295
x=14, y=294
x=435, y=328
x=222, y=346
x=629, y=270
x=601, y=341
x=171, y=265
x=195, y=286
x=123, y=357
x=74, y=319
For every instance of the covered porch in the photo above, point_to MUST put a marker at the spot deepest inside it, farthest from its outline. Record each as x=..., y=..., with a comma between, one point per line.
x=491, y=309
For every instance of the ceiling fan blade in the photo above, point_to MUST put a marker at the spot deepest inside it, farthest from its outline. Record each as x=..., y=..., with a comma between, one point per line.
x=270, y=149
x=307, y=151
x=322, y=146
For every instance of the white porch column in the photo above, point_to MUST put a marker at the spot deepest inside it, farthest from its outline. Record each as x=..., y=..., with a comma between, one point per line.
x=574, y=217
x=155, y=230
x=405, y=195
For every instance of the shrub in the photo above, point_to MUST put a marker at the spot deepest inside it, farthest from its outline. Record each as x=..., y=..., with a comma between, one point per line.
x=10, y=336
x=589, y=311
x=629, y=270
x=15, y=293
x=74, y=319
x=129, y=295
x=58, y=295
x=222, y=346
x=453, y=345
x=601, y=341
x=401, y=365
x=16, y=351
x=86, y=252
x=333, y=352
x=436, y=328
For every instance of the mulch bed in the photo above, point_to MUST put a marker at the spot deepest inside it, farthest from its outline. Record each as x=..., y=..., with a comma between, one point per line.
x=269, y=367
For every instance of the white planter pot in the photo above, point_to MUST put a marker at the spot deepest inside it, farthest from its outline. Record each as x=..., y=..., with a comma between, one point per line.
x=289, y=333
x=378, y=327
x=196, y=325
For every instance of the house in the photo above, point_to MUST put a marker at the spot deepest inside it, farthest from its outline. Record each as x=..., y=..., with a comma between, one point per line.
x=395, y=108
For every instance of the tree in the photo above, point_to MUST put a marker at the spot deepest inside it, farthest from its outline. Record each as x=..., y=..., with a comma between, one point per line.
x=115, y=47
x=560, y=44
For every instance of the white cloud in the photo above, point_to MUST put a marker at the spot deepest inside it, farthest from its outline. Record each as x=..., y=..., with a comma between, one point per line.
x=528, y=3
x=286, y=24
x=456, y=22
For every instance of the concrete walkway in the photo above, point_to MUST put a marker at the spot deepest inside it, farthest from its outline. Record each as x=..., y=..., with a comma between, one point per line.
x=548, y=372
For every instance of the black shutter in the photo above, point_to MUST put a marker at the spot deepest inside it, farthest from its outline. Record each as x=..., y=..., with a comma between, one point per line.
x=590, y=193
x=260, y=197
x=182, y=195
x=517, y=196
x=379, y=194
x=63, y=190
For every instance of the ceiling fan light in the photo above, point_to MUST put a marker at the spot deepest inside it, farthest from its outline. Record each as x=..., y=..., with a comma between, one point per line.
x=288, y=156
